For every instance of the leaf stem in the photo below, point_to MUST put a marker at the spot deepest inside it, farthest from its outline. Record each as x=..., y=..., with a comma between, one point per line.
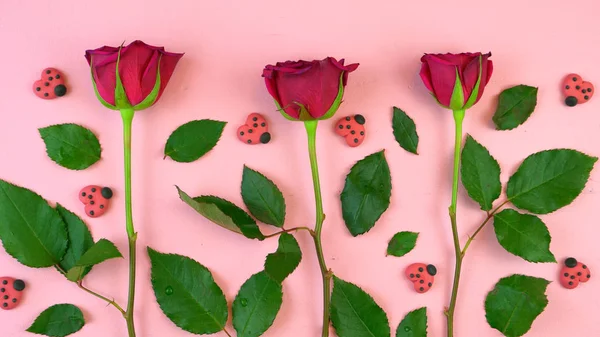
x=111, y=302
x=490, y=215
x=311, y=132
x=291, y=230
x=226, y=332
x=127, y=116
x=458, y=121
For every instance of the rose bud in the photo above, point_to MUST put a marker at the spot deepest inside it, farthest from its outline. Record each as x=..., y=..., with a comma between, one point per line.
x=143, y=74
x=457, y=81
x=308, y=90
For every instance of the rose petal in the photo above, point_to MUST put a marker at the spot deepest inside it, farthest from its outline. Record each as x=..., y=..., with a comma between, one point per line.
x=443, y=79
x=426, y=76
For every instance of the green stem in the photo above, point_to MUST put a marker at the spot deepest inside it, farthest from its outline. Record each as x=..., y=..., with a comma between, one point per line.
x=290, y=230
x=458, y=121
x=311, y=131
x=127, y=116
x=111, y=302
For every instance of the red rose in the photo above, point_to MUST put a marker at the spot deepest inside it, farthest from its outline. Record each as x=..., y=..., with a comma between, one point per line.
x=308, y=90
x=457, y=81
x=144, y=72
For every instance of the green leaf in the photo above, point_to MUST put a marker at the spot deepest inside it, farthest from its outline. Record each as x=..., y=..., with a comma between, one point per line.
x=187, y=293
x=285, y=260
x=31, y=231
x=354, y=313
x=256, y=305
x=224, y=214
x=515, y=105
x=367, y=193
x=262, y=197
x=101, y=251
x=402, y=243
x=405, y=131
x=515, y=303
x=194, y=139
x=523, y=235
x=58, y=321
x=414, y=324
x=71, y=146
x=549, y=180
x=480, y=174
x=80, y=239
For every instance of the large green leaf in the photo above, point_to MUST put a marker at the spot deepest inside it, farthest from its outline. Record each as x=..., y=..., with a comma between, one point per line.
x=549, y=180
x=524, y=235
x=193, y=140
x=58, y=321
x=515, y=105
x=354, y=313
x=405, y=131
x=224, y=214
x=187, y=293
x=515, y=303
x=285, y=260
x=80, y=239
x=31, y=231
x=367, y=193
x=101, y=251
x=71, y=146
x=402, y=243
x=414, y=324
x=256, y=305
x=262, y=197
x=480, y=174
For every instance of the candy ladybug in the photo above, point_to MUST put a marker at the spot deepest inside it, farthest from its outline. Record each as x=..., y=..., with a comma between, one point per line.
x=421, y=275
x=574, y=272
x=576, y=90
x=96, y=199
x=11, y=292
x=352, y=128
x=51, y=85
x=255, y=131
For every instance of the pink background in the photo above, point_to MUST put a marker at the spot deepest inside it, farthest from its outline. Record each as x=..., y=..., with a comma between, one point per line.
x=227, y=43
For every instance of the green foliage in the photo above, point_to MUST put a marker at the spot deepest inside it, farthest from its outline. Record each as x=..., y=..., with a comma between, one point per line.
x=101, y=251
x=515, y=105
x=285, y=260
x=480, y=174
x=187, y=293
x=414, y=324
x=262, y=197
x=405, y=131
x=80, y=239
x=58, y=321
x=402, y=243
x=514, y=303
x=193, y=140
x=71, y=146
x=366, y=194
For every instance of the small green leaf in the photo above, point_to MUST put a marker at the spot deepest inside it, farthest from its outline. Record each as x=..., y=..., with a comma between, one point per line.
x=354, y=313
x=515, y=303
x=256, y=305
x=515, y=105
x=523, y=235
x=405, y=131
x=71, y=146
x=366, y=194
x=549, y=180
x=480, y=174
x=194, y=139
x=285, y=260
x=80, y=239
x=58, y=321
x=262, y=197
x=224, y=214
x=402, y=243
x=101, y=251
x=187, y=293
x=414, y=324
x=31, y=231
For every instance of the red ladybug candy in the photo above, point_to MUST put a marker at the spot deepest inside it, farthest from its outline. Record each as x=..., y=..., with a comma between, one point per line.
x=352, y=128
x=95, y=199
x=573, y=273
x=421, y=275
x=51, y=85
x=11, y=292
x=255, y=131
